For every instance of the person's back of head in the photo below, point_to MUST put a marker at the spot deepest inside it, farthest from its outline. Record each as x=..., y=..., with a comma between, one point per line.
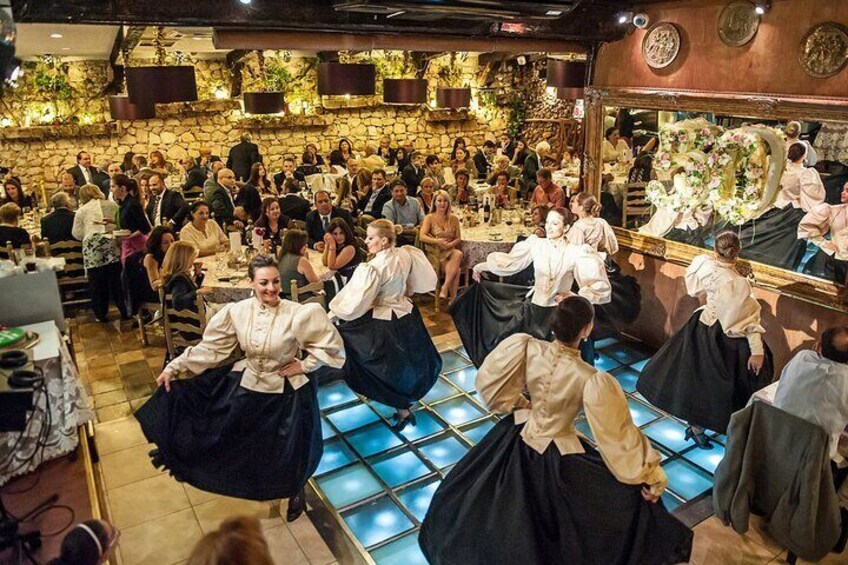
x=86, y=543
x=834, y=344
x=238, y=541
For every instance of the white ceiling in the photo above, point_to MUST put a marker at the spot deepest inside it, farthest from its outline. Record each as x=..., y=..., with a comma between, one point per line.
x=78, y=41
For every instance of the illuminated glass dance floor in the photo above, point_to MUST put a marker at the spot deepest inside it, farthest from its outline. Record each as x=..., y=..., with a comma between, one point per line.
x=380, y=482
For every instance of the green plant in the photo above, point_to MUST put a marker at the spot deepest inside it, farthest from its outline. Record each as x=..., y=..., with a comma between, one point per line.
x=277, y=78
x=517, y=111
x=52, y=84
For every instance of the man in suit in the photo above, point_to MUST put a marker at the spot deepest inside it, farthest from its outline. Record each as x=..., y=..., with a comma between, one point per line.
x=165, y=207
x=206, y=159
x=483, y=157
x=242, y=157
x=219, y=197
x=56, y=226
x=507, y=146
x=291, y=204
x=388, y=154
x=210, y=183
x=318, y=220
x=378, y=194
x=414, y=172
x=288, y=172
x=83, y=173
x=106, y=184
x=195, y=176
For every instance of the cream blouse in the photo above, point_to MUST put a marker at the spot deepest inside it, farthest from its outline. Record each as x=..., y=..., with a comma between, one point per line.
x=801, y=187
x=827, y=218
x=595, y=232
x=271, y=337
x=557, y=264
x=729, y=300
x=206, y=241
x=385, y=284
x=560, y=384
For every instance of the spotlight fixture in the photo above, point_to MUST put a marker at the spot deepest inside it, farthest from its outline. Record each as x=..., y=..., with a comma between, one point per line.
x=762, y=7
x=641, y=21
x=624, y=18
x=553, y=13
x=245, y=2
x=522, y=60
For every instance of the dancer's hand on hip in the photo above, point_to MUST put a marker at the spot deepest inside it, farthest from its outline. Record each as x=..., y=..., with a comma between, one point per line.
x=292, y=369
x=755, y=363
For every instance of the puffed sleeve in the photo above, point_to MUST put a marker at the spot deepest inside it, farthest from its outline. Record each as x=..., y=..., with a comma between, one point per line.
x=812, y=189
x=591, y=276
x=219, y=341
x=576, y=234
x=358, y=295
x=609, y=243
x=318, y=337
x=696, y=273
x=625, y=450
x=739, y=313
x=422, y=278
x=506, y=264
x=503, y=375
x=815, y=224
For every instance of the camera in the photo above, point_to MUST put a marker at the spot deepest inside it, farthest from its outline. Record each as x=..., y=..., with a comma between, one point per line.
x=641, y=21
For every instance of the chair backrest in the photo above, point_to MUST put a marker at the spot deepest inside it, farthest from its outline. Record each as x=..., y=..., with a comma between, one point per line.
x=316, y=290
x=182, y=327
x=315, y=182
x=636, y=209
x=71, y=251
x=193, y=194
x=7, y=252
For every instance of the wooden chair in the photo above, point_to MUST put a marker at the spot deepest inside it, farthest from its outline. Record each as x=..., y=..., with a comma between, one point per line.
x=151, y=308
x=635, y=208
x=193, y=194
x=316, y=288
x=182, y=327
x=73, y=282
x=8, y=253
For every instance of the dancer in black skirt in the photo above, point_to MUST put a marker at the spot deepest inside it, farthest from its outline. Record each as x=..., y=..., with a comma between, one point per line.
x=711, y=366
x=831, y=261
x=488, y=312
x=390, y=356
x=626, y=296
x=532, y=491
x=249, y=430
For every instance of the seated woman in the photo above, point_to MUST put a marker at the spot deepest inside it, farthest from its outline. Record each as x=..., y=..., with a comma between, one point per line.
x=539, y=217
x=338, y=164
x=487, y=313
x=463, y=162
x=501, y=190
x=711, y=366
x=273, y=224
x=203, y=231
x=182, y=275
x=10, y=232
x=294, y=263
x=260, y=180
x=614, y=148
x=346, y=198
x=831, y=261
x=16, y=195
x=390, y=356
x=308, y=166
x=463, y=195
x=160, y=240
x=425, y=194
x=341, y=253
x=502, y=165
x=567, y=502
x=316, y=156
x=440, y=233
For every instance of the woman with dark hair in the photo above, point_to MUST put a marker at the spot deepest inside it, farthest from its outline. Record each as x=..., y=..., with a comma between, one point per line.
x=88, y=543
x=338, y=164
x=308, y=165
x=521, y=153
x=128, y=166
x=250, y=430
x=157, y=162
x=346, y=198
x=157, y=246
x=203, y=231
x=273, y=223
x=346, y=149
x=712, y=365
x=16, y=195
x=131, y=216
x=248, y=197
x=566, y=501
x=539, y=216
x=341, y=253
x=401, y=158
x=458, y=142
x=317, y=159
x=260, y=181
x=294, y=262
x=488, y=312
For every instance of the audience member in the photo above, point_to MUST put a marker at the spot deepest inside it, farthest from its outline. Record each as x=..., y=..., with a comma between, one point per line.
x=385, y=151
x=158, y=164
x=463, y=162
x=16, y=195
x=433, y=169
x=260, y=180
x=507, y=146
x=203, y=231
x=273, y=223
x=519, y=157
x=195, y=175
x=10, y=215
x=182, y=275
x=378, y=194
x=441, y=236
x=341, y=253
x=165, y=206
x=346, y=199
x=210, y=182
x=316, y=156
x=292, y=204
x=503, y=197
x=404, y=212
x=58, y=225
x=294, y=262
x=158, y=243
x=308, y=166
x=242, y=157
x=83, y=172
x=249, y=199
x=318, y=220
x=346, y=149
x=220, y=198
x=502, y=164
x=413, y=173
x=483, y=158
x=425, y=194
x=458, y=142
x=128, y=165
x=372, y=160
x=464, y=195
x=289, y=172
x=338, y=166
x=546, y=192
x=614, y=148
x=69, y=186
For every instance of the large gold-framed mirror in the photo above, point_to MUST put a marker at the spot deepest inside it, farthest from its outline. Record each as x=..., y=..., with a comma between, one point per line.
x=674, y=168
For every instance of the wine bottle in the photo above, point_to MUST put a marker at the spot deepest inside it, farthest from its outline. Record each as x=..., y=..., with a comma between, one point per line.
x=487, y=211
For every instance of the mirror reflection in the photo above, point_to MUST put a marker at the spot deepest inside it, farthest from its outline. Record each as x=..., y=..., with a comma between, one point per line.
x=686, y=176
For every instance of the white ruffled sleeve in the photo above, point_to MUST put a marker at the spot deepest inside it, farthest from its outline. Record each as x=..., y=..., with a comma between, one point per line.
x=739, y=313
x=317, y=336
x=814, y=225
x=591, y=276
x=503, y=375
x=358, y=295
x=812, y=189
x=218, y=343
x=422, y=278
x=696, y=273
x=506, y=264
x=609, y=243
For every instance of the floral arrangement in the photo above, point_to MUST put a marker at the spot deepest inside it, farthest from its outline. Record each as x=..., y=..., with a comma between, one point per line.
x=681, y=138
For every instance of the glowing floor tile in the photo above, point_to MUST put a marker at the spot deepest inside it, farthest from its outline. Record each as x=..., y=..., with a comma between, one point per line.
x=335, y=394
x=336, y=455
x=624, y=355
x=377, y=521
x=640, y=413
x=417, y=498
x=670, y=501
x=640, y=365
x=399, y=468
x=403, y=551
x=477, y=432
x=669, y=433
x=353, y=417
x=626, y=378
x=348, y=485
x=458, y=411
x=606, y=363
x=373, y=439
x=451, y=361
x=582, y=426
x=326, y=430
x=440, y=391
x=427, y=425
x=707, y=459
x=605, y=343
x=464, y=378
x=445, y=451
x=685, y=480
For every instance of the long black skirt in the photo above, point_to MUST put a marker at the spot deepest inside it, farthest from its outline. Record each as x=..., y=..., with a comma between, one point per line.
x=505, y=504
x=827, y=267
x=773, y=238
x=391, y=361
x=701, y=376
x=696, y=237
x=624, y=306
x=223, y=438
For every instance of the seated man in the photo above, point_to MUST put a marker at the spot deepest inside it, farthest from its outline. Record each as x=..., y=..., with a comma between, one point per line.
x=288, y=172
x=10, y=214
x=318, y=220
x=546, y=192
x=378, y=194
x=292, y=205
x=57, y=225
x=404, y=212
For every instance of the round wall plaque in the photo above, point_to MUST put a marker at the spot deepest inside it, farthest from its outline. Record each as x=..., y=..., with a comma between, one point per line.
x=824, y=49
x=738, y=23
x=661, y=45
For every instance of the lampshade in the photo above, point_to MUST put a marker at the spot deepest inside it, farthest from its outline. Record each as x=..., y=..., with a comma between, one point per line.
x=569, y=93
x=405, y=91
x=121, y=108
x=453, y=97
x=566, y=74
x=338, y=79
x=152, y=85
x=264, y=102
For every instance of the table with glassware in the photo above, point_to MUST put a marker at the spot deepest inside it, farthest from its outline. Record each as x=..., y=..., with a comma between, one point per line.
x=500, y=234
x=618, y=185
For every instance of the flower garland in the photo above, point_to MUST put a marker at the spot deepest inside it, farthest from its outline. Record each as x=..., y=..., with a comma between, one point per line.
x=683, y=137
x=737, y=177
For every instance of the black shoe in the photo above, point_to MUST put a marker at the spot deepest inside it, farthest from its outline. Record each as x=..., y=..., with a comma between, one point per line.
x=156, y=458
x=404, y=421
x=297, y=505
x=700, y=438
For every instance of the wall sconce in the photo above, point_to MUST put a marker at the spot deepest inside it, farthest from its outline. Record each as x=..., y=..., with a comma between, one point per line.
x=220, y=93
x=5, y=122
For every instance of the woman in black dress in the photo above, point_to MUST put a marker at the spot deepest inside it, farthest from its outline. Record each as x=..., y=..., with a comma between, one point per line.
x=532, y=491
x=131, y=216
x=273, y=223
x=249, y=430
x=15, y=194
x=341, y=253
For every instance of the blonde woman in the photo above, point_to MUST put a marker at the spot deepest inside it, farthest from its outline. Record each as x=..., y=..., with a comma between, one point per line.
x=182, y=275
x=440, y=234
x=345, y=197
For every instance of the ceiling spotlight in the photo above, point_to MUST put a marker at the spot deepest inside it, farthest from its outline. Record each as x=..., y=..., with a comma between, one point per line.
x=762, y=7
x=395, y=14
x=56, y=35
x=245, y=2
x=641, y=21
x=522, y=60
x=624, y=18
x=553, y=13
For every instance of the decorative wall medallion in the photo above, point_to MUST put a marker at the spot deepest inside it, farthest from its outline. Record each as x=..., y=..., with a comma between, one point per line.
x=661, y=45
x=824, y=49
x=738, y=23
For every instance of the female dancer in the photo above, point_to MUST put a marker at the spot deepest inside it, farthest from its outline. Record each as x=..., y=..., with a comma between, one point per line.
x=489, y=312
x=831, y=262
x=565, y=501
x=390, y=356
x=712, y=365
x=249, y=430
x=626, y=297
